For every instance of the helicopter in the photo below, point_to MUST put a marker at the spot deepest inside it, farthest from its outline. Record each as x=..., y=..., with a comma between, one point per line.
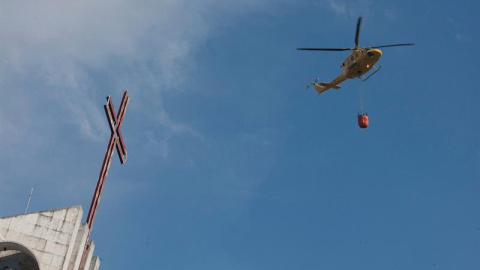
x=356, y=65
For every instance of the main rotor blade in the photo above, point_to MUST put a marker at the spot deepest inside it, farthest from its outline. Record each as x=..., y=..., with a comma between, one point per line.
x=394, y=45
x=324, y=49
x=359, y=22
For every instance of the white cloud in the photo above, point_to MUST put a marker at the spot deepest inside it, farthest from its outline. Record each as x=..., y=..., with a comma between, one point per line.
x=463, y=38
x=59, y=59
x=350, y=8
x=55, y=49
x=337, y=6
x=390, y=14
x=156, y=142
x=457, y=28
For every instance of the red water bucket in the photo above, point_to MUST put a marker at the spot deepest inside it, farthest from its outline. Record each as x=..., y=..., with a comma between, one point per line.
x=363, y=120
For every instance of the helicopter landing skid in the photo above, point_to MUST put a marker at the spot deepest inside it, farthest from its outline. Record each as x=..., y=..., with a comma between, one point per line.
x=376, y=70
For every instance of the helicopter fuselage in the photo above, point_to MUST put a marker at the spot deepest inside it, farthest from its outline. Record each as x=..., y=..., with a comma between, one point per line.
x=355, y=65
x=360, y=62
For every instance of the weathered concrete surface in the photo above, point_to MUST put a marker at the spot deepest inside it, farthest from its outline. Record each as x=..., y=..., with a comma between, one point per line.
x=55, y=237
x=78, y=247
x=88, y=255
x=95, y=263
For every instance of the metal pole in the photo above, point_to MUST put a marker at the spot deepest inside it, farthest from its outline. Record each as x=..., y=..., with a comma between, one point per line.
x=28, y=203
x=115, y=121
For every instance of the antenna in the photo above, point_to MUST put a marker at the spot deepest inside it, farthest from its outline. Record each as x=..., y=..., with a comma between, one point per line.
x=28, y=203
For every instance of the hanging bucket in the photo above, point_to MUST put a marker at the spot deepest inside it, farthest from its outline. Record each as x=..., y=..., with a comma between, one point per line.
x=363, y=120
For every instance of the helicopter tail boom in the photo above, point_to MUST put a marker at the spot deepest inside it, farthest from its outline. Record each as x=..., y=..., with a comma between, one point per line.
x=330, y=85
x=322, y=87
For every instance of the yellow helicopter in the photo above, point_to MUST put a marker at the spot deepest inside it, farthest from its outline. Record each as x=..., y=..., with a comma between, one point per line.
x=356, y=65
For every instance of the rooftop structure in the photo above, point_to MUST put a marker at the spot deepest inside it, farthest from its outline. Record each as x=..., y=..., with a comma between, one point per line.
x=46, y=240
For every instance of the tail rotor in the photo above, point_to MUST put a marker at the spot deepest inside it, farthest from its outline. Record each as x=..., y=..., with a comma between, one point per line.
x=313, y=83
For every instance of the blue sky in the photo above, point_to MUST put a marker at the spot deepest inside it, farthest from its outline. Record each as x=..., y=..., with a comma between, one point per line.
x=232, y=164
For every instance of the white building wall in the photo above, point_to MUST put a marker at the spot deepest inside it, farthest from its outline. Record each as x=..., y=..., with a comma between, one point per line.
x=95, y=263
x=78, y=248
x=88, y=255
x=56, y=237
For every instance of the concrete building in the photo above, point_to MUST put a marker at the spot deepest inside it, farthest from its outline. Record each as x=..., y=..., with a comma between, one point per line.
x=46, y=240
